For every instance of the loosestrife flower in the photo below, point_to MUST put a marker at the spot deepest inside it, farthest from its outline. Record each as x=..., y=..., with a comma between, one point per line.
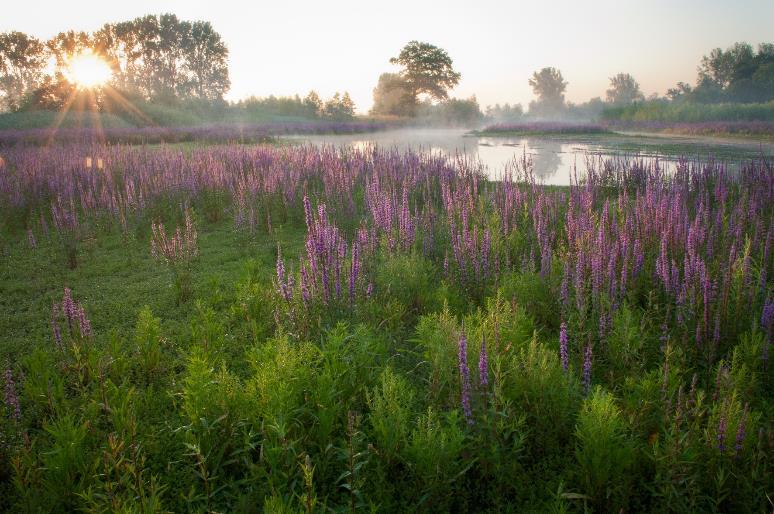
x=483, y=364
x=462, y=358
x=587, y=369
x=722, y=434
x=740, y=433
x=563, y=345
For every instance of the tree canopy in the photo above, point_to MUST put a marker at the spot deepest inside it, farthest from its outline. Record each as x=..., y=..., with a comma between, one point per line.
x=392, y=97
x=22, y=61
x=426, y=69
x=549, y=86
x=624, y=90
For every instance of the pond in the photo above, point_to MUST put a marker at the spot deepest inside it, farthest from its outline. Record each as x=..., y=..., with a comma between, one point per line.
x=553, y=157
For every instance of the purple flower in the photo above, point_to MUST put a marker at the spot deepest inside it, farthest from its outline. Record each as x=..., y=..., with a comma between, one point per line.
x=462, y=358
x=483, y=364
x=722, y=434
x=68, y=307
x=563, y=345
x=740, y=433
x=84, y=325
x=355, y=269
x=587, y=369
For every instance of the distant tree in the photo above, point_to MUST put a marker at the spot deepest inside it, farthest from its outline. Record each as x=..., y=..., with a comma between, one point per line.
x=590, y=110
x=392, y=96
x=723, y=67
x=22, y=61
x=679, y=92
x=65, y=45
x=313, y=104
x=549, y=86
x=737, y=74
x=624, y=90
x=427, y=69
x=206, y=59
x=463, y=112
x=125, y=52
x=506, y=112
x=347, y=106
x=340, y=107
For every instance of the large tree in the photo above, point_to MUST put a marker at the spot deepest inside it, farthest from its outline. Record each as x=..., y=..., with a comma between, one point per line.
x=549, y=86
x=206, y=60
x=624, y=90
x=426, y=69
x=22, y=61
x=392, y=97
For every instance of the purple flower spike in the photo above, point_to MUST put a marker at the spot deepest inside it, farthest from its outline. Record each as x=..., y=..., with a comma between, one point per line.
x=563, y=345
x=483, y=364
x=462, y=358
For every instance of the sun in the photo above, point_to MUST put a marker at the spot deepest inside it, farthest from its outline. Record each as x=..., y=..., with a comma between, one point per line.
x=88, y=71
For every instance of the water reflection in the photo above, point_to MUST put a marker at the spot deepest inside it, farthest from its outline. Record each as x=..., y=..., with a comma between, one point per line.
x=553, y=160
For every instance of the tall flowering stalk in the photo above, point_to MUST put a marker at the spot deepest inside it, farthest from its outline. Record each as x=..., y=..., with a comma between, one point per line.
x=74, y=314
x=462, y=358
x=587, y=358
x=483, y=364
x=722, y=434
x=740, y=434
x=563, y=356
x=179, y=248
x=178, y=252
x=285, y=281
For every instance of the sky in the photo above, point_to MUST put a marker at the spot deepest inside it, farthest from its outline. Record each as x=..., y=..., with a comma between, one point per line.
x=288, y=47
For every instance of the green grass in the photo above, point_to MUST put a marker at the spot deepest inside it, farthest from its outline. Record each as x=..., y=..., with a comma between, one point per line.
x=114, y=280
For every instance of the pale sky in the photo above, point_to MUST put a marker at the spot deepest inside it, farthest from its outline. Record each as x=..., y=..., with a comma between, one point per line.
x=288, y=47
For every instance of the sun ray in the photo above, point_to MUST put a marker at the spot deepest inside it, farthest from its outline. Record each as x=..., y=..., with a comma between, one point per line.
x=116, y=95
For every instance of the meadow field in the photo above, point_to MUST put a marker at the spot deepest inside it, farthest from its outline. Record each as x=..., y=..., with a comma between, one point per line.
x=298, y=328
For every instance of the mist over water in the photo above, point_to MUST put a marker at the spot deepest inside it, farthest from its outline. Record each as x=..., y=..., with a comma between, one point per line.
x=553, y=159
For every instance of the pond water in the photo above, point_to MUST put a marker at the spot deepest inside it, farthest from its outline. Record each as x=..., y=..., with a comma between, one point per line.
x=552, y=157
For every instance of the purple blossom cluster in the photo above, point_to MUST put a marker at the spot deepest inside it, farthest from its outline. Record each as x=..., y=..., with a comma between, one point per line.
x=213, y=133
x=179, y=248
x=462, y=358
x=73, y=314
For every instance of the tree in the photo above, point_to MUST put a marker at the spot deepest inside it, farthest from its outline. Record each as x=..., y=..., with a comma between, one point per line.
x=340, y=107
x=679, y=92
x=392, y=96
x=427, y=69
x=313, y=104
x=347, y=106
x=22, y=60
x=624, y=90
x=549, y=86
x=502, y=113
x=722, y=68
x=737, y=74
x=206, y=59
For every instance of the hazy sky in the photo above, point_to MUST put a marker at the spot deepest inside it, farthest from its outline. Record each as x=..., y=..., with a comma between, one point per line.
x=288, y=47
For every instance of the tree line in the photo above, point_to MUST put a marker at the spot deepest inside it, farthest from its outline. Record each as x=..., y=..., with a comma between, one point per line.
x=151, y=58
x=737, y=75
